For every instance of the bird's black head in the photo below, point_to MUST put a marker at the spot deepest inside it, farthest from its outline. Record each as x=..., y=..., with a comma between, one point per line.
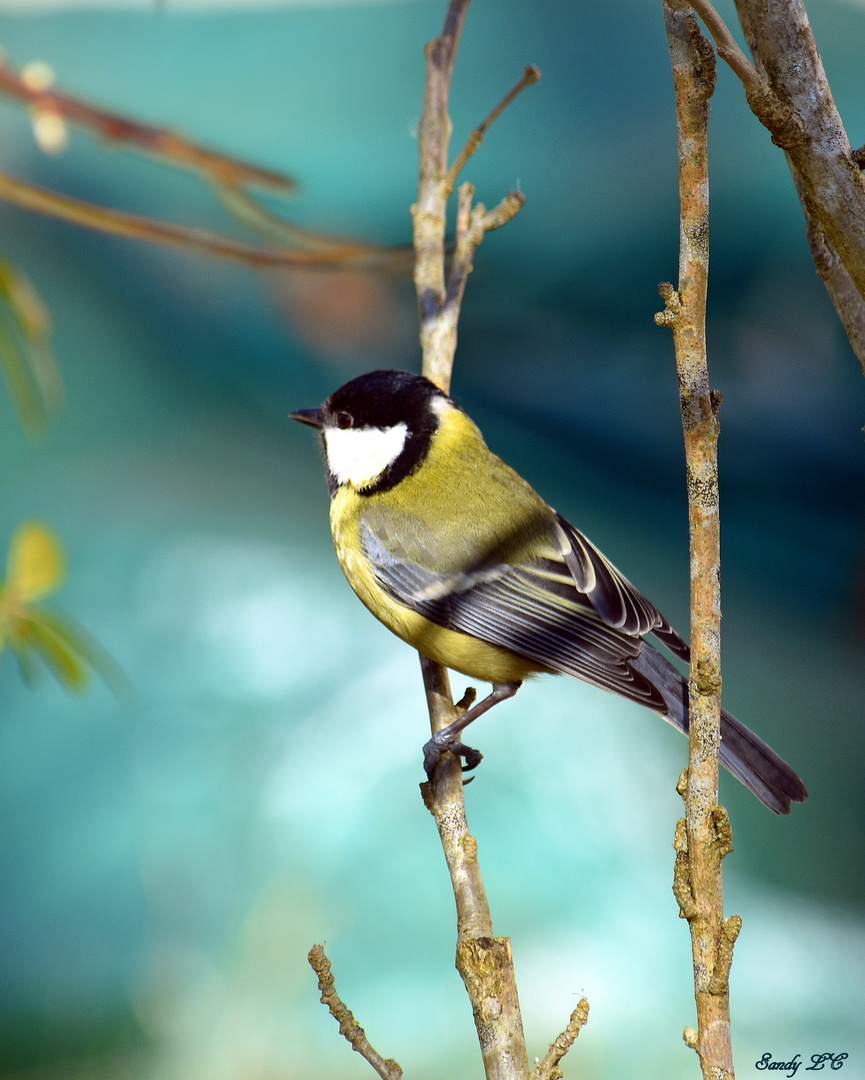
x=382, y=399
x=377, y=428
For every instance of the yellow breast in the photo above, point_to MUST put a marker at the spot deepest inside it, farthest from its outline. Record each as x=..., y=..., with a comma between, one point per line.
x=461, y=652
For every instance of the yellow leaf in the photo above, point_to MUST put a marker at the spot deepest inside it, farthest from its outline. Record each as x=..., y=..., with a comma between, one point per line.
x=36, y=565
x=26, y=360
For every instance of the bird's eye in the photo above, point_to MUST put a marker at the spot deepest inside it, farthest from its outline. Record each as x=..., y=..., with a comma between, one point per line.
x=343, y=420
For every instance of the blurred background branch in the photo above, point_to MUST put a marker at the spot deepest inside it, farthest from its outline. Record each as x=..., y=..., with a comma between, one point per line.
x=228, y=175
x=334, y=255
x=33, y=86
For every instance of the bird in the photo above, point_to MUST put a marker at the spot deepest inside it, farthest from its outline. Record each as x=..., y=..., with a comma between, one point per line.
x=458, y=555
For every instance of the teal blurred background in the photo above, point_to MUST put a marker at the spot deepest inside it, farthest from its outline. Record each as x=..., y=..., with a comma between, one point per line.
x=169, y=859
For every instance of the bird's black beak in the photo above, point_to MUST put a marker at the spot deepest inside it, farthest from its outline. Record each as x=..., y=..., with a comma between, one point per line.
x=308, y=416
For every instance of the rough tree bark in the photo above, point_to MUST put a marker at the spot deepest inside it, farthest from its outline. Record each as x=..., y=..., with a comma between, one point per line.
x=703, y=837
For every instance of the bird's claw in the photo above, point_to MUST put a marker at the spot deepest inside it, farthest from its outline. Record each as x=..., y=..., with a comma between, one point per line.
x=438, y=745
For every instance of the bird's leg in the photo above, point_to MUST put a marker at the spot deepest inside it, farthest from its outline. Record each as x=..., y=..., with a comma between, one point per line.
x=446, y=739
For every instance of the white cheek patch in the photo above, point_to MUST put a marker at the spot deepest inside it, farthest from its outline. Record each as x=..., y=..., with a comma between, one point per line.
x=359, y=456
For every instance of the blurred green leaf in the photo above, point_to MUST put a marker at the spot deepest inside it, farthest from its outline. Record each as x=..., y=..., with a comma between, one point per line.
x=36, y=568
x=26, y=359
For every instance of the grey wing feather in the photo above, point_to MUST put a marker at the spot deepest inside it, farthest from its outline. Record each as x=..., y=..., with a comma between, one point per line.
x=535, y=611
x=615, y=599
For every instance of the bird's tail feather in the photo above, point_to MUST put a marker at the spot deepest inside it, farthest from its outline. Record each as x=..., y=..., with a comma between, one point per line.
x=747, y=757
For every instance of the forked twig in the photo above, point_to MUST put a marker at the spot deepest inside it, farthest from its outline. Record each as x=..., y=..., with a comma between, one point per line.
x=439, y=301
x=728, y=47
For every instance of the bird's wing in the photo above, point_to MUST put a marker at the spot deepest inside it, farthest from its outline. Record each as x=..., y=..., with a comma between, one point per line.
x=534, y=610
x=610, y=593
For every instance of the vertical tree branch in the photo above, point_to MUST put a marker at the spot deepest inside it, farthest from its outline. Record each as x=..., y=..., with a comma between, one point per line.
x=429, y=214
x=703, y=838
x=439, y=300
x=849, y=304
x=805, y=121
x=484, y=961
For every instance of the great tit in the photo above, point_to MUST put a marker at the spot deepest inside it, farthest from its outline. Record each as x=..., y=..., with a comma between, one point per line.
x=456, y=554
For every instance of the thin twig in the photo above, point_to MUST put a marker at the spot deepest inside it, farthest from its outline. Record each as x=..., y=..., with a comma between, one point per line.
x=464, y=211
x=137, y=227
x=349, y=1028
x=250, y=212
x=530, y=75
x=440, y=318
x=728, y=47
x=549, y=1069
x=472, y=224
x=154, y=140
x=703, y=838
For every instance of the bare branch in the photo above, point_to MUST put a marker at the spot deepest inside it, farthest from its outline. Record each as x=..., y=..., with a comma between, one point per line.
x=807, y=125
x=248, y=210
x=703, y=837
x=348, y=1026
x=444, y=800
x=848, y=302
x=484, y=961
x=429, y=213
